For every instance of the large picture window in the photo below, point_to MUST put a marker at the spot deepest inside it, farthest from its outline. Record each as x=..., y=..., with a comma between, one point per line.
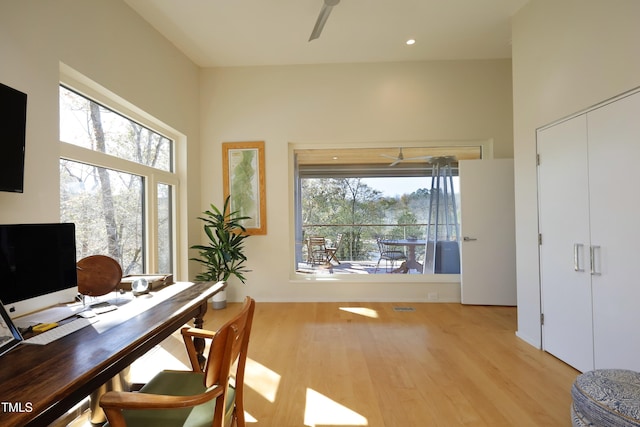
x=117, y=184
x=386, y=210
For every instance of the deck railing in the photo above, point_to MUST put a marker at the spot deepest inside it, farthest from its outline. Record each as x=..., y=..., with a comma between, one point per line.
x=359, y=240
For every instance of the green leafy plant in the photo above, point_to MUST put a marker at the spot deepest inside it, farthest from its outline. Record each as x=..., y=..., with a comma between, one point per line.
x=224, y=256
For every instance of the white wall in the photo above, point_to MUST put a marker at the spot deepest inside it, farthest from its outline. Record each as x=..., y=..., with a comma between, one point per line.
x=106, y=41
x=111, y=45
x=335, y=104
x=567, y=56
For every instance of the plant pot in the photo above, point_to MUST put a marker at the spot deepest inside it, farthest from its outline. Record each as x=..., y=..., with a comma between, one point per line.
x=219, y=300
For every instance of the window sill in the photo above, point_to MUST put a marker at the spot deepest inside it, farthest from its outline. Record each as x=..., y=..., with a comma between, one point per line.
x=378, y=278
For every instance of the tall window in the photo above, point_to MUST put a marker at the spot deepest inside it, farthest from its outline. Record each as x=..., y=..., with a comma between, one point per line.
x=378, y=210
x=117, y=184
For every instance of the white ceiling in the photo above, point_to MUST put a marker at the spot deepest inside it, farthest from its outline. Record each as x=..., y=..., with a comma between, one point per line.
x=222, y=33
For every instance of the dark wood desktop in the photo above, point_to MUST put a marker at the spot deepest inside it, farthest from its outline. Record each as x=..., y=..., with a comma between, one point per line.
x=38, y=383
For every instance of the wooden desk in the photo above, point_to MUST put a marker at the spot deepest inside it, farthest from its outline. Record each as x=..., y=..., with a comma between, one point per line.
x=41, y=383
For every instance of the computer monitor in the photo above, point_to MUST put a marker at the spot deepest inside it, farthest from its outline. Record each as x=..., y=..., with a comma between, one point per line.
x=37, y=266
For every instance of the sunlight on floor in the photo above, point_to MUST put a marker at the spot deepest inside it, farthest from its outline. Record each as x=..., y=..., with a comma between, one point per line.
x=156, y=360
x=321, y=411
x=261, y=379
x=363, y=311
x=249, y=419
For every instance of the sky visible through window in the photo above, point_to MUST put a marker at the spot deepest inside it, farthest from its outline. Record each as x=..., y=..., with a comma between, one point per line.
x=393, y=187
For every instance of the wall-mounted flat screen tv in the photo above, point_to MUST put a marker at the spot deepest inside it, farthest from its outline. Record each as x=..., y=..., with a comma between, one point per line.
x=13, y=120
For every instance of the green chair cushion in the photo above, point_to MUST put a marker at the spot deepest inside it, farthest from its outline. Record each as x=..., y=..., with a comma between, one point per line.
x=178, y=383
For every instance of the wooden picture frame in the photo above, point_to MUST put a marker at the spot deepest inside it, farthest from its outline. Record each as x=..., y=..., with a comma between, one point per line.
x=9, y=334
x=243, y=179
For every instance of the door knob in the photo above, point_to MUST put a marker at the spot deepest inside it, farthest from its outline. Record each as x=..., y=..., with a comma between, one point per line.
x=469, y=239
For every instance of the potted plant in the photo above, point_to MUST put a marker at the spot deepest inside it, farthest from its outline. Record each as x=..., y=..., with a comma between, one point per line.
x=224, y=256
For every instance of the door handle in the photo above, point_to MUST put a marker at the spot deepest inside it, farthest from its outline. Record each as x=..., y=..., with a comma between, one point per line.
x=577, y=247
x=594, y=262
x=469, y=239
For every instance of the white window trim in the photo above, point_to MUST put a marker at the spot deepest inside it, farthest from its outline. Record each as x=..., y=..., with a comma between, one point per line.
x=88, y=88
x=295, y=277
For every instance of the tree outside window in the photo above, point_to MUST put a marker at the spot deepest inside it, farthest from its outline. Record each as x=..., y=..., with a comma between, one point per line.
x=377, y=200
x=116, y=199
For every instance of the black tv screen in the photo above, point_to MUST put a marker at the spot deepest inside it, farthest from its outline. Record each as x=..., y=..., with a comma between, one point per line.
x=13, y=120
x=36, y=259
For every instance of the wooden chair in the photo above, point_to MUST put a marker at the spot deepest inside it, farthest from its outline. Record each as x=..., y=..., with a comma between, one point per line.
x=316, y=250
x=98, y=275
x=332, y=250
x=213, y=397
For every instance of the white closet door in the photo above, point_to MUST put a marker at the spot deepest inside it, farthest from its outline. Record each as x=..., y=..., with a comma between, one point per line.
x=614, y=179
x=564, y=253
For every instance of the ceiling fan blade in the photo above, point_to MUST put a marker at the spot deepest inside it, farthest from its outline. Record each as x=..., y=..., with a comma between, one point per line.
x=327, y=6
x=419, y=158
x=396, y=160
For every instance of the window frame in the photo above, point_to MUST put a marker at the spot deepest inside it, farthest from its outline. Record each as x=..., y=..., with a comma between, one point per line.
x=152, y=177
x=486, y=150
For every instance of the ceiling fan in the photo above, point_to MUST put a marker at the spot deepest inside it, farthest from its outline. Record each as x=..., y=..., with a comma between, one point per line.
x=400, y=158
x=322, y=18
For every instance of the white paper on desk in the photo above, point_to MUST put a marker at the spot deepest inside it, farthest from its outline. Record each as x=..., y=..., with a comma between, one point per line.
x=49, y=315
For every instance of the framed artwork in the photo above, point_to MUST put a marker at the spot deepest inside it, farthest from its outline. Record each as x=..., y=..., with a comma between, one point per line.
x=243, y=179
x=9, y=334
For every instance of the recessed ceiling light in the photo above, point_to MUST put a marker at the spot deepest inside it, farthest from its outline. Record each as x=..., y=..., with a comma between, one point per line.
x=335, y=157
x=410, y=42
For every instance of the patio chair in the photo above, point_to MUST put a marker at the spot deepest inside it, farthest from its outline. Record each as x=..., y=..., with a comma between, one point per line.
x=388, y=253
x=317, y=250
x=332, y=250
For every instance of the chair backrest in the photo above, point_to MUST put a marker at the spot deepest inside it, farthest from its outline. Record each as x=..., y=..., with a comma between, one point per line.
x=317, y=243
x=98, y=275
x=338, y=241
x=386, y=248
x=229, y=346
x=228, y=349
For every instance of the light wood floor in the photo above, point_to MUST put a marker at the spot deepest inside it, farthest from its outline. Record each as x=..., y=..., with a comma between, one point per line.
x=330, y=364
x=322, y=364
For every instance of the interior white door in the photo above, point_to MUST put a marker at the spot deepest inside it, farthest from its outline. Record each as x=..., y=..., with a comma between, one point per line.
x=614, y=152
x=563, y=203
x=487, y=223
